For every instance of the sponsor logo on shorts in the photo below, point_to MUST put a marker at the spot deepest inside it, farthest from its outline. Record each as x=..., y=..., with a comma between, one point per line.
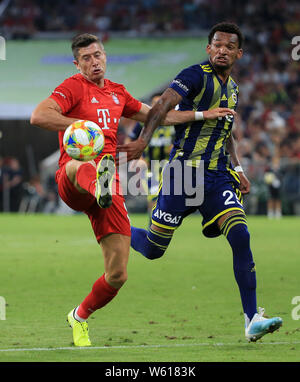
x=167, y=217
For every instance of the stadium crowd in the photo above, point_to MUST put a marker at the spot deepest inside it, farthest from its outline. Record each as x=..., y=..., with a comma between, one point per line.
x=268, y=125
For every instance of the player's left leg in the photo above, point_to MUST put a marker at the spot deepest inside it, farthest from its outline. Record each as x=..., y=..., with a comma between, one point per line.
x=233, y=226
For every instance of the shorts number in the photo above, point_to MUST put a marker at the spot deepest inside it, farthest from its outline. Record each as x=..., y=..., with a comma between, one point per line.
x=231, y=195
x=228, y=200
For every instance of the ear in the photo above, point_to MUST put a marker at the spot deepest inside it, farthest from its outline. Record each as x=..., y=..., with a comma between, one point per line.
x=76, y=64
x=240, y=54
x=208, y=48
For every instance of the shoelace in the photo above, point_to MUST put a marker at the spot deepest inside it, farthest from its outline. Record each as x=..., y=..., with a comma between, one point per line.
x=84, y=327
x=261, y=312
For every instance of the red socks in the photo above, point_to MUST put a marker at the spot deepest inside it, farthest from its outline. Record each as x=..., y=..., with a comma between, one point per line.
x=101, y=292
x=100, y=295
x=86, y=177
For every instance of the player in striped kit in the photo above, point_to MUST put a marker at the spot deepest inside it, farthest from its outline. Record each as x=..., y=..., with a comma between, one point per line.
x=205, y=142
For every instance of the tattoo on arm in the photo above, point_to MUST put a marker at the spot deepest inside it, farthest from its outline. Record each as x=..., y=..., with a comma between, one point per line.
x=169, y=99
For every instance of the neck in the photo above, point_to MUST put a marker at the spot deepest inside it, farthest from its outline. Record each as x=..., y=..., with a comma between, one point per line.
x=99, y=81
x=223, y=74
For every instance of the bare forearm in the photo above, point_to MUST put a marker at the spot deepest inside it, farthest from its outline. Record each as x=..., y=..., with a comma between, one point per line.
x=175, y=117
x=231, y=148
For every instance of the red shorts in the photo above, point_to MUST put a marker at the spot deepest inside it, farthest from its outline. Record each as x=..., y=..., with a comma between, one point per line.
x=113, y=219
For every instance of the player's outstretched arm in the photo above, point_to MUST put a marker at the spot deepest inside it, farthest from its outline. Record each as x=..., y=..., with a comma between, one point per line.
x=155, y=116
x=163, y=113
x=231, y=148
x=48, y=115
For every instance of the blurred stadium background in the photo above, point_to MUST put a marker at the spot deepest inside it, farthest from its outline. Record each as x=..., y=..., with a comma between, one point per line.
x=148, y=42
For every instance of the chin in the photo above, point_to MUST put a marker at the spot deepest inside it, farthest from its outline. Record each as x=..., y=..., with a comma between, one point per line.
x=222, y=66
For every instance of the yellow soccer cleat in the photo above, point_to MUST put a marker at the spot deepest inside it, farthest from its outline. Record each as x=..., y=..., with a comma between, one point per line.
x=105, y=173
x=80, y=330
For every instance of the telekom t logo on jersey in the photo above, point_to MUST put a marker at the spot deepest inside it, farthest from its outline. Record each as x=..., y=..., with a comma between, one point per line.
x=104, y=118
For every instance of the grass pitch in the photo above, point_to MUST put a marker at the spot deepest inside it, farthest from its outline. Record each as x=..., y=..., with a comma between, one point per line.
x=183, y=307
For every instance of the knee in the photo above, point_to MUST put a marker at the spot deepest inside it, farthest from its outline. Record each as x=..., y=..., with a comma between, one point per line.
x=116, y=277
x=72, y=168
x=116, y=267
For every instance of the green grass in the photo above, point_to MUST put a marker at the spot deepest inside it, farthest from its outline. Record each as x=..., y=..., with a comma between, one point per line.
x=182, y=307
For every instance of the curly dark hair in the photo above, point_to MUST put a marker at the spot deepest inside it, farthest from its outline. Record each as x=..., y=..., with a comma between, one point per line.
x=227, y=28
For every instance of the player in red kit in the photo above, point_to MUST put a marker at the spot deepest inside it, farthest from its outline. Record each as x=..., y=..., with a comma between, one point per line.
x=87, y=186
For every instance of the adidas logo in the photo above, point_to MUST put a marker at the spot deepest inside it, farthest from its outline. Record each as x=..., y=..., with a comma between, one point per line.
x=94, y=100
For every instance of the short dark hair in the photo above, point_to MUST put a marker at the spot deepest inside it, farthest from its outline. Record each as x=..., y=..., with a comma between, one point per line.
x=227, y=28
x=83, y=40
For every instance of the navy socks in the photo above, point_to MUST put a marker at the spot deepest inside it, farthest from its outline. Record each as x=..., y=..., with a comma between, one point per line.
x=151, y=244
x=236, y=231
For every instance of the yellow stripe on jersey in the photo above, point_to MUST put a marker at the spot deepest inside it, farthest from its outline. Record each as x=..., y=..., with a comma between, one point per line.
x=187, y=131
x=206, y=68
x=200, y=146
x=199, y=96
x=213, y=165
x=234, y=174
x=216, y=99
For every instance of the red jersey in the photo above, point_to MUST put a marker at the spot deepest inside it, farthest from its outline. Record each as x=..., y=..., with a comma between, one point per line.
x=82, y=99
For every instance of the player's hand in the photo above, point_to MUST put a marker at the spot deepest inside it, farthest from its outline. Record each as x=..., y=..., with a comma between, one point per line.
x=133, y=150
x=245, y=184
x=218, y=112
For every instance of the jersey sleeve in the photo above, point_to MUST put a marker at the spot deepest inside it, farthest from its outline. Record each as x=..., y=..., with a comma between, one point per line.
x=67, y=94
x=188, y=82
x=132, y=105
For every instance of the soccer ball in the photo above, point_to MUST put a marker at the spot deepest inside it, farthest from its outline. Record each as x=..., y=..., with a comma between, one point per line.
x=83, y=140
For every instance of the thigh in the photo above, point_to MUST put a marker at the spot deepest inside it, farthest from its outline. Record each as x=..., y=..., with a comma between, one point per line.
x=171, y=206
x=70, y=195
x=221, y=201
x=114, y=219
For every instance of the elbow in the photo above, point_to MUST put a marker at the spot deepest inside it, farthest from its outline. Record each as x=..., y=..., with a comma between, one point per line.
x=35, y=118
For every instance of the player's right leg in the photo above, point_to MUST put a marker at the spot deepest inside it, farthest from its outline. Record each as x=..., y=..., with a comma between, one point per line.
x=92, y=179
x=115, y=249
x=151, y=243
x=112, y=230
x=167, y=215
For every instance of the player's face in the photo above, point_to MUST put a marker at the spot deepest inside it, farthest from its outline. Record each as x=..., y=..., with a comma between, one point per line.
x=224, y=50
x=91, y=62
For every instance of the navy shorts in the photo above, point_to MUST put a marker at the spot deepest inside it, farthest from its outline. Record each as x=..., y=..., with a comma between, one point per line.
x=218, y=193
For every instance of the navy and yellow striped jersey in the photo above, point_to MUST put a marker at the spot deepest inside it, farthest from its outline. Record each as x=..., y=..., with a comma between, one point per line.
x=159, y=145
x=202, y=89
